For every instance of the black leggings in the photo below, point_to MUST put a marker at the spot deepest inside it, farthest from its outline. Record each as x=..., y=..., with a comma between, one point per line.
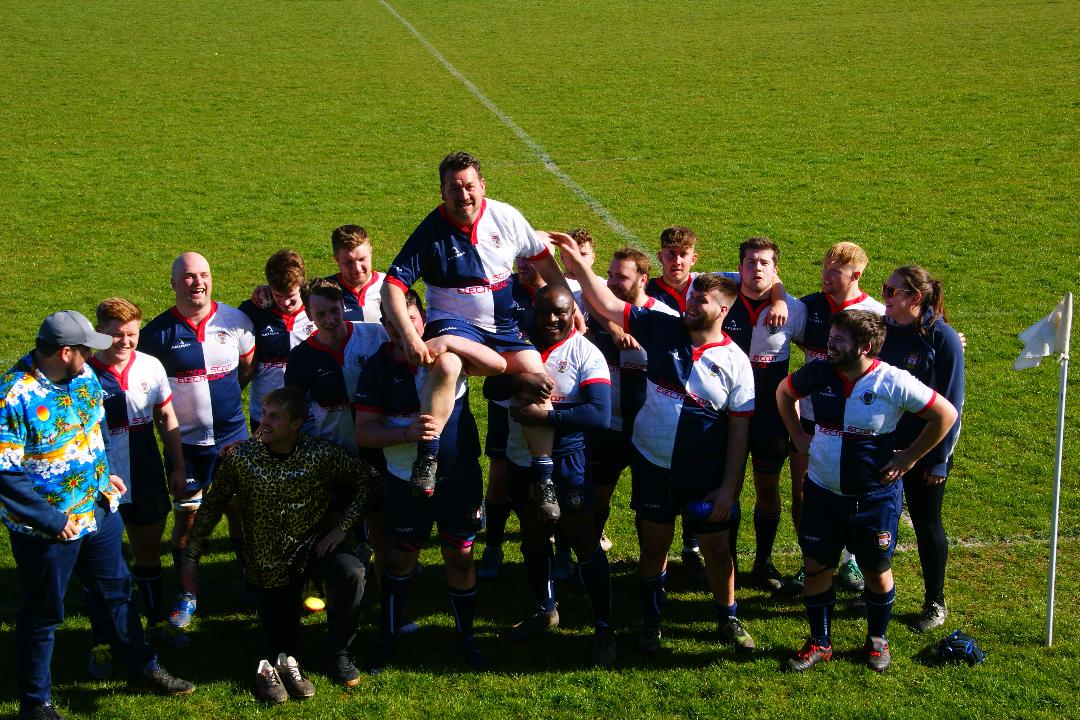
x=924, y=505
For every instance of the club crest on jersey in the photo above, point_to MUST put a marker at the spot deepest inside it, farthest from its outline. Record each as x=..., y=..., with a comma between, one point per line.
x=496, y=241
x=913, y=360
x=309, y=328
x=714, y=369
x=868, y=397
x=562, y=365
x=884, y=540
x=145, y=387
x=222, y=337
x=360, y=361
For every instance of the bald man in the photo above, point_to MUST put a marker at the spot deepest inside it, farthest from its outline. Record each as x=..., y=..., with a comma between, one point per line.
x=207, y=349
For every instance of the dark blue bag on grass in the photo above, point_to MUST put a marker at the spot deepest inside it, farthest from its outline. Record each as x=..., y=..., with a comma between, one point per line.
x=960, y=647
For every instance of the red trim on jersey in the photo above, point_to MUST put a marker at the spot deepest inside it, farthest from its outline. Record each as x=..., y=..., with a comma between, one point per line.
x=542, y=253
x=680, y=298
x=700, y=350
x=834, y=308
x=200, y=328
x=791, y=388
x=337, y=353
x=360, y=293
x=547, y=353
x=120, y=375
x=164, y=402
x=849, y=386
x=744, y=413
x=397, y=283
x=371, y=410
x=470, y=231
x=288, y=318
x=626, y=317
x=933, y=399
x=249, y=352
x=751, y=310
x=649, y=303
x=593, y=381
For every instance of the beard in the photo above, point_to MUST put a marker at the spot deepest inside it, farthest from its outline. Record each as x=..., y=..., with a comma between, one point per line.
x=844, y=359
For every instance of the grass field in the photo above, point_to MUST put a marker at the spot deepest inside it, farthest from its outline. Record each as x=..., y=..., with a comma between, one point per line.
x=937, y=132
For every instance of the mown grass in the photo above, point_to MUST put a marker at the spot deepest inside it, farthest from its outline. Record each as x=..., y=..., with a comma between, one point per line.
x=942, y=133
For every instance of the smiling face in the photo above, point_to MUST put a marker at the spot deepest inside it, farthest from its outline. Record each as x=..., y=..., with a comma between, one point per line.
x=843, y=352
x=192, y=284
x=277, y=427
x=704, y=310
x=901, y=302
x=463, y=195
x=354, y=264
x=554, y=313
x=329, y=318
x=125, y=336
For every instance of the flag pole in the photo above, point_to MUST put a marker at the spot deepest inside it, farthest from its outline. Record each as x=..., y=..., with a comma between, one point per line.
x=1062, y=347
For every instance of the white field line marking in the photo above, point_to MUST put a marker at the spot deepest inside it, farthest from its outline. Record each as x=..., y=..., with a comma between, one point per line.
x=508, y=121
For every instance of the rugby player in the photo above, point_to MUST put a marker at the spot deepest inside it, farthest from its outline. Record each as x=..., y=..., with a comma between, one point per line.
x=851, y=495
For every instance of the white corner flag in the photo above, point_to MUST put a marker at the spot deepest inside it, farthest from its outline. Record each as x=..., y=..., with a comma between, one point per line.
x=1051, y=336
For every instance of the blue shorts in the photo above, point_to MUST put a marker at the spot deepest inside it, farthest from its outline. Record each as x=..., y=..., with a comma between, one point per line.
x=147, y=509
x=865, y=524
x=659, y=495
x=200, y=462
x=498, y=431
x=501, y=341
x=609, y=453
x=456, y=506
x=573, y=484
x=769, y=444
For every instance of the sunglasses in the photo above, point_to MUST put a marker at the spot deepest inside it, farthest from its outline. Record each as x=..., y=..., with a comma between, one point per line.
x=888, y=291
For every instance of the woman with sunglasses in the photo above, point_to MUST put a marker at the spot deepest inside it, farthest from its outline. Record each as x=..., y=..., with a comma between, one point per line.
x=919, y=340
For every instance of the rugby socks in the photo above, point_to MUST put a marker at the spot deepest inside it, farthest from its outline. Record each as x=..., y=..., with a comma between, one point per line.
x=496, y=515
x=765, y=527
x=723, y=612
x=428, y=448
x=689, y=540
x=543, y=467
x=595, y=574
x=177, y=558
x=463, y=605
x=538, y=570
x=148, y=580
x=878, y=611
x=393, y=594
x=819, y=609
x=652, y=599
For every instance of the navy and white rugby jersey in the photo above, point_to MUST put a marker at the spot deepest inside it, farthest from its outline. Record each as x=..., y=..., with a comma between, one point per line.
x=768, y=348
x=854, y=437
x=276, y=333
x=627, y=369
x=202, y=363
x=657, y=288
x=467, y=270
x=574, y=364
x=328, y=377
x=690, y=392
x=391, y=388
x=132, y=394
x=815, y=340
x=362, y=304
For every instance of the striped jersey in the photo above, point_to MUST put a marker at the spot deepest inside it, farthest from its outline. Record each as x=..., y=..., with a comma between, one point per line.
x=276, y=333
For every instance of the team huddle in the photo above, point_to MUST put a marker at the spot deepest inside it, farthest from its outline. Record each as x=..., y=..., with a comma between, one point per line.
x=359, y=434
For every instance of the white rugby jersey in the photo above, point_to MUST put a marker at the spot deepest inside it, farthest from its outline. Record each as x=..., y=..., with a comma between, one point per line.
x=132, y=393
x=815, y=340
x=856, y=421
x=362, y=304
x=467, y=270
x=202, y=363
x=689, y=394
x=572, y=364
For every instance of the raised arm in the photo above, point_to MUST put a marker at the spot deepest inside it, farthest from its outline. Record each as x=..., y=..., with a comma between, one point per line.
x=594, y=289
